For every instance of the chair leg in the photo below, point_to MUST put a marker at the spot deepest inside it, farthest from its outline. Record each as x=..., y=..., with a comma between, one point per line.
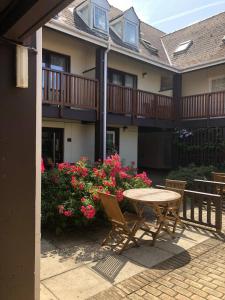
x=124, y=246
x=107, y=239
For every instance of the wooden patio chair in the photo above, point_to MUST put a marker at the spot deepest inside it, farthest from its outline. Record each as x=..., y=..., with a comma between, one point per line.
x=219, y=177
x=174, y=207
x=124, y=226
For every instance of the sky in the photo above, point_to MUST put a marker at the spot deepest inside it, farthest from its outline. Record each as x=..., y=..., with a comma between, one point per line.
x=171, y=15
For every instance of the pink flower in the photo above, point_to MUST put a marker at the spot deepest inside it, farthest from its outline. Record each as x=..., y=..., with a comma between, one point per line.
x=42, y=166
x=119, y=195
x=68, y=213
x=81, y=186
x=88, y=211
x=110, y=183
x=124, y=175
x=99, y=173
x=63, y=166
x=143, y=176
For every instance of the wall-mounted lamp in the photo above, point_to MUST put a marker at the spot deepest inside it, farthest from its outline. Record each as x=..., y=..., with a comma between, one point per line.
x=144, y=74
x=21, y=66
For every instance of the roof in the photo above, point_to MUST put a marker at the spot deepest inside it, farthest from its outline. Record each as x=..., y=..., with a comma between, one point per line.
x=148, y=32
x=207, y=42
x=206, y=36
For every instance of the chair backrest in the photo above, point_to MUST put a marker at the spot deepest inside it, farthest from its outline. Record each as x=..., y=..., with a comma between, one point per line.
x=219, y=177
x=112, y=208
x=176, y=186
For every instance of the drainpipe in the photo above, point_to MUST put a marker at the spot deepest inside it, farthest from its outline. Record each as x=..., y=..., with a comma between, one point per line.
x=105, y=98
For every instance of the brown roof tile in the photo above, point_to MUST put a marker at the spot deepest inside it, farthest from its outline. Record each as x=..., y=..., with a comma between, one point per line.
x=206, y=36
x=207, y=42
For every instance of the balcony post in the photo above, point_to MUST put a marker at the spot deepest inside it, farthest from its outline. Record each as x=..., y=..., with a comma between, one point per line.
x=100, y=135
x=177, y=94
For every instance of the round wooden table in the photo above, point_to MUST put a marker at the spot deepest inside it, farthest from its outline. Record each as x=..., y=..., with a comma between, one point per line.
x=151, y=196
x=159, y=200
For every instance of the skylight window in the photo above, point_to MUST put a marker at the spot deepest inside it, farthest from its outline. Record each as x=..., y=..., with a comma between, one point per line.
x=100, y=18
x=130, y=34
x=183, y=47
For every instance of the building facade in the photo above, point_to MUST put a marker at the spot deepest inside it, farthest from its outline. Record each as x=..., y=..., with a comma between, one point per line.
x=112, y=83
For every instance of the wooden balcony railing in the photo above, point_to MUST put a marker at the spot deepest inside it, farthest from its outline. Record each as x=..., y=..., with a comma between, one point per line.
x=128, y=101
x=66, y=89
x=60, y=88
x=203, y=106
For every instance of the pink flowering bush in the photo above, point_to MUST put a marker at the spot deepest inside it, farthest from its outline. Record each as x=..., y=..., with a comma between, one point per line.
x=70, y=192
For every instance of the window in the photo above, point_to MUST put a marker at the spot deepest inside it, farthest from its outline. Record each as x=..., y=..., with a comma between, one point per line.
x=130, y=33
x=55, y=61
x=100, y=18
x=122, y=78
x=112, y=141
x=166, y=83
x=218, y=84
x=182, y=47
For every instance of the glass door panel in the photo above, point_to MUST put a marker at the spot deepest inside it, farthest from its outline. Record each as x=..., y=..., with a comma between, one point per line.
x=52, y=146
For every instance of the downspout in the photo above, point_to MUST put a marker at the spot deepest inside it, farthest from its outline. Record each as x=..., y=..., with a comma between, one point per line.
x=105, y=99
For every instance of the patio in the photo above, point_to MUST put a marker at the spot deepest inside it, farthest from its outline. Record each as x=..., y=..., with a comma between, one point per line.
x=75, y=266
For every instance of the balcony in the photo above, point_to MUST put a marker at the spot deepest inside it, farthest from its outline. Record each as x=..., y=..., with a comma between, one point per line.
x=66, y=90
x=77, y=92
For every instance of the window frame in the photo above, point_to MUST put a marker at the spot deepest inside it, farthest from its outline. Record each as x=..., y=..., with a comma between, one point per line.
x=106, y=30
x=211, y=80
x=165, y=89
x=48, y=52
x=116, y=132
x=123, y=74
x=125, y=33
x=188, y=45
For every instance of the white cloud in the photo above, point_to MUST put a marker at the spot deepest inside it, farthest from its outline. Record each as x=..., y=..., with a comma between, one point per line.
x=122, y=4
x=188, y=12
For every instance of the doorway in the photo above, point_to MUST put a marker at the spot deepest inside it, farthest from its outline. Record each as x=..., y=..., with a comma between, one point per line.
x=52, y=146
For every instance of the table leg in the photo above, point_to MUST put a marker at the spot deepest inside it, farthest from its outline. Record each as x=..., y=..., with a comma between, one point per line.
x=162, y=222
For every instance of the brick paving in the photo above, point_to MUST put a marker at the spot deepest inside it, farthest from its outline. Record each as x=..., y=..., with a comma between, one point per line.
x=196, y=274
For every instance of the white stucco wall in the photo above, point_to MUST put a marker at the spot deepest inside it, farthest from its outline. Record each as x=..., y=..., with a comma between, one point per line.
x=149, y=82
x=82, y=55
x=83, y=139
x=129, y=144
x=198, y=82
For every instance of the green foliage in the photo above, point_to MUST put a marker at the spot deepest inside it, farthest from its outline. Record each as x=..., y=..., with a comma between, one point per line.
x=192, y=172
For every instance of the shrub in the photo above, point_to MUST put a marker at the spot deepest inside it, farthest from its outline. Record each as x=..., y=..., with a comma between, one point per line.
x=192, y=172
x=70, y=192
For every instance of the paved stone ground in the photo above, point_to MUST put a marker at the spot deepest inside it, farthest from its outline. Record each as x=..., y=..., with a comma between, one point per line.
x=77, y=267
x=197, y=274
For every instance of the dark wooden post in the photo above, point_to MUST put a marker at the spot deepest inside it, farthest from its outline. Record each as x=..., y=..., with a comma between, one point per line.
x=177, y=94
x=99, y=125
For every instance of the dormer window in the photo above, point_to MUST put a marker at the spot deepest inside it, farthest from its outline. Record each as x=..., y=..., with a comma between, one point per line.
x=182, y=47
x=100, y=18
x=130, y=33
x=127, y=27
x=95, y=14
